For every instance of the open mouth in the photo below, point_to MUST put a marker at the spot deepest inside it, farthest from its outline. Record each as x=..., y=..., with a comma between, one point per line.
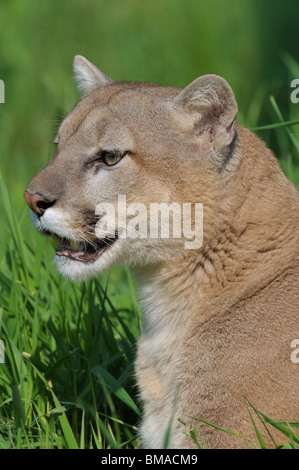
x=86, y=252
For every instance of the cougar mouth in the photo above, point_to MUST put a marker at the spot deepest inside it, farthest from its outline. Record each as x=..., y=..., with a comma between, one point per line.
x=85, y=252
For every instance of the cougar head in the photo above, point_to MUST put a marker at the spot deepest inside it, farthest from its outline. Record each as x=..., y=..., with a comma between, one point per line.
x=127, y=149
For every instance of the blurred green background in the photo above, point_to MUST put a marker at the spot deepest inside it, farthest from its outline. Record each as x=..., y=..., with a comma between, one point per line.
x=252, y=43
x=79, y=340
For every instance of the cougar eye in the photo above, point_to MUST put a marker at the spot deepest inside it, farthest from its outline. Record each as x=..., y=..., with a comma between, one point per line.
x=111, y=158
x=106, y=157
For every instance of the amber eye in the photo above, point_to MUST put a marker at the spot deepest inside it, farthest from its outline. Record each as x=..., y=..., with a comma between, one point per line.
x=111, y=158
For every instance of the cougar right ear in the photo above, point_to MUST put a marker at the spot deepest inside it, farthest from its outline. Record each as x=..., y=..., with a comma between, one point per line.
x=209, y=97
x=209, y=102
x=88, y=76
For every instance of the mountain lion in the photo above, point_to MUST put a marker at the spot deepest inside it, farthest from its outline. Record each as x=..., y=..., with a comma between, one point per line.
x=219, y=318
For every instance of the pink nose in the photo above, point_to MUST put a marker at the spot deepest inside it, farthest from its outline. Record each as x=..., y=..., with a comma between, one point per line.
x=36, y=202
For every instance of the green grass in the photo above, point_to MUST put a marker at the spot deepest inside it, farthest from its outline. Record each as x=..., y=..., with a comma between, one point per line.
x=68, y=378
x=288, y=431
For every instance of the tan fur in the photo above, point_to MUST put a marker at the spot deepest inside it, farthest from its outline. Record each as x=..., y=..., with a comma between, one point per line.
x=219, y=320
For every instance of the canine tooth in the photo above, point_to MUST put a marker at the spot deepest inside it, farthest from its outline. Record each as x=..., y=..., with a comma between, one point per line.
x=74, y=245
x=57, y=240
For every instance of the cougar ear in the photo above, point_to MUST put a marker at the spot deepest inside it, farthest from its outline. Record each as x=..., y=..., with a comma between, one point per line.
x=211, y=103
x=88, y=76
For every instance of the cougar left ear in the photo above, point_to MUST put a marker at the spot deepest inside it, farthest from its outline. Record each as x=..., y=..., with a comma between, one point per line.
x=210, y=102
x=88, y=76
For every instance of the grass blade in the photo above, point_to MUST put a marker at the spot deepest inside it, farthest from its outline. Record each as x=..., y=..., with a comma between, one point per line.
x=65, y=425
x=257, y=432
x=224, y=430
x=276, y=125
x=115, y=387
x=280, y=117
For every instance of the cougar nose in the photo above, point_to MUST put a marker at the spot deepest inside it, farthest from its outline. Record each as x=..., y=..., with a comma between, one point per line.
x=37, y=202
